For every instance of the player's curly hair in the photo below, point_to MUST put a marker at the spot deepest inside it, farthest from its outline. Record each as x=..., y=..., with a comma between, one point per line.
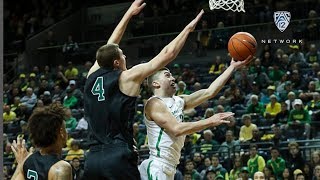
x=44, y=124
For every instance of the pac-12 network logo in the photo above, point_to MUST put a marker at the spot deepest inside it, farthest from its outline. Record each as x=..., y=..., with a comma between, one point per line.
x=282, y=19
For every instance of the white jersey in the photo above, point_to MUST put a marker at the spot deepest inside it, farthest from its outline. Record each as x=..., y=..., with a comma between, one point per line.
x=162, y=145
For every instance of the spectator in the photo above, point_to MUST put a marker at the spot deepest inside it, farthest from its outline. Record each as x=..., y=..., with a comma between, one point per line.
x=256, y=136
x=15, y=107
x=217, y=167
x=275, y=73
x=230, y=146
x=47, y=98
x=294, y=160
x=259, y=176
x=286, y=175
x=223, y=102
x=70, y=47
x=307, y=95
x=39, y=104
x=189, y=169
x=307, y=171
x=255, y=90
x=297, y=56
x=60, y=78
x=208, y=144
x=203, y=38
x=276, y=163
x=72, y=72
x=70, y=101
x=256, y=162
x=255, y=108
x=290, y=100
x=220, y=36
x=188, y=76
x=77, y=170
x=299, y=117
x=233, y=94
x=268, y=172
x=300, y=176
x=265, y=99
x=76, y=92
x=207, y=164
x=244, y=175
x=198, y=163
x=71, y=122
x=182, y=89
x=256, y=67
x=278, y=135
x=82, y=124
x=273, y=108
x=267, y=59
x=316, y=173
x=57, y=93
x=44, y=86
x=217, y=67
x=246, y=129
x=315, y=159
x=313, y=55
x=282, y=116
x=8, y=115
x=138, y=136
x=75, y=151
x=210, y=174
x=235, y=172
x=297, y=81
x=30, y=99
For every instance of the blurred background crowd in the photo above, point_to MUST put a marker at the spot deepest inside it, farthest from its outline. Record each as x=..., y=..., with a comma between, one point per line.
x=275, y=99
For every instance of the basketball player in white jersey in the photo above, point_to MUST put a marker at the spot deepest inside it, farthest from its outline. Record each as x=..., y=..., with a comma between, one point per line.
x=163, y=117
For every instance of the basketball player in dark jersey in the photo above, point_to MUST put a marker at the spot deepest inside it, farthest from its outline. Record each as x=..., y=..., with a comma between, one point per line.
x=48, y=133
x=110, y=99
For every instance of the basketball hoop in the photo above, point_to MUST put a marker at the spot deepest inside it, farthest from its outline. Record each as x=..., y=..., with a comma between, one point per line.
x=228, y=5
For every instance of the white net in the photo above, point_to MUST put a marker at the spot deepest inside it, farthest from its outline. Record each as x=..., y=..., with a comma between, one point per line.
x=228, y=5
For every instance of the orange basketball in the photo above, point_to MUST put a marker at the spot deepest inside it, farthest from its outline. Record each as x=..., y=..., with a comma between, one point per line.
x=241, y=45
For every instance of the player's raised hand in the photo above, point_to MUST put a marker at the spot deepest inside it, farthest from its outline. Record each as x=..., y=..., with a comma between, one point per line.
x=19, y=149
x=239, y=64
x=136, y=7
x=192, y=25
x=221, y=118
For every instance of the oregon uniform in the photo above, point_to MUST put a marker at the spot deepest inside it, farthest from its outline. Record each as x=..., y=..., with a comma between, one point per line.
x=110, y=115
x=165, y=150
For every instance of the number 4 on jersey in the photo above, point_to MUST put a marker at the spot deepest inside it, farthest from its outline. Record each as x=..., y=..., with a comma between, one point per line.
x=98, y=89
x=31, y=174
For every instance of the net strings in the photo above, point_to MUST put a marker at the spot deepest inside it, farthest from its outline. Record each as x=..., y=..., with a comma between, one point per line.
x=233, y=5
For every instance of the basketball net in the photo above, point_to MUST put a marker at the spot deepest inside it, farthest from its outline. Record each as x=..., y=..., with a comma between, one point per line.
x=228, y=5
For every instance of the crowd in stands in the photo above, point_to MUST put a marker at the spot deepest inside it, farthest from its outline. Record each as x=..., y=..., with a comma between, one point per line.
x=275, y=99
x=276, y=102
x=23, y=19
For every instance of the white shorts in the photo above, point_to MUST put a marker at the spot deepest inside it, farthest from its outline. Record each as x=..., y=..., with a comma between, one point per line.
x=156, y=170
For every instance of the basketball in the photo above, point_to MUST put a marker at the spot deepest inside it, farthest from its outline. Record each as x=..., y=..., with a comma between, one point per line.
x=241, y=45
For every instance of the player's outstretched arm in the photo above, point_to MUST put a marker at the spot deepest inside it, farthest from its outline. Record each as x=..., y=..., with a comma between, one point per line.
x=198, y=97
x=60, y=171
x=139, y=72
x=157, y=111
x=135, y=8
x=116, y=36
